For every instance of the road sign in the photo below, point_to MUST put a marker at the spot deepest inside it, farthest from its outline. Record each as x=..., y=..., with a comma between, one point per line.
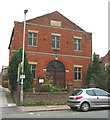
x=22, y=76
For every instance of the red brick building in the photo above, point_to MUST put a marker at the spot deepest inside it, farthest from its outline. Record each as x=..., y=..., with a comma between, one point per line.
x=54, y=45
x=105, y=61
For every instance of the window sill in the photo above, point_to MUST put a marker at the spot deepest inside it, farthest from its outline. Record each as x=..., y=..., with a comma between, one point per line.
x=78, y=80
x=77, y=50
x=56, y=49
x=32, y=46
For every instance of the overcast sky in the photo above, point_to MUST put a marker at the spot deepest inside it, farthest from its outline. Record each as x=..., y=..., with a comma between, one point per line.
x=90, y=15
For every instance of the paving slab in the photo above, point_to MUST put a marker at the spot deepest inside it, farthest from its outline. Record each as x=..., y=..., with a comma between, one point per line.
x=44, y=108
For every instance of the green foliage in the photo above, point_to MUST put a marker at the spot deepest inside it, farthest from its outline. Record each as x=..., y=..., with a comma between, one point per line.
x=48, y=87
x=13, y=69
x=97, y=75
x=88, y=76
x=5, y=84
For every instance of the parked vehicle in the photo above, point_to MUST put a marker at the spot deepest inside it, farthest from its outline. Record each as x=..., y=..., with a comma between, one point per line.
x=86, y=99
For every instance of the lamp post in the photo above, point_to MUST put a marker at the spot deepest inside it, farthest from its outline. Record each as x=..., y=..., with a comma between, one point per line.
x=21, y=95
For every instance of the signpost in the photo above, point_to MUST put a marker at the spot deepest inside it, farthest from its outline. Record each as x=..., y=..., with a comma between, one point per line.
x=21, y=97
x=22, y=76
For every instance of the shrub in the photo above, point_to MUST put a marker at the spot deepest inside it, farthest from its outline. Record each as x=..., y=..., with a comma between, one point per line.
x=5, y=84
x=13, y=69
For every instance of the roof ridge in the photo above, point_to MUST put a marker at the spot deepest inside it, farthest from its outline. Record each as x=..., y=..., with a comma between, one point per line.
x=58, y=13
x=41, y=16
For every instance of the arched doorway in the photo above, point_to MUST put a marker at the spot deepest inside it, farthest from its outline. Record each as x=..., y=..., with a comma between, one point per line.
x=56, y=72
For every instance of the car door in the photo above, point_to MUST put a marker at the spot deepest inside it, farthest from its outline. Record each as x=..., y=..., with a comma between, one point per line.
x=91, y=97
x=102, y=98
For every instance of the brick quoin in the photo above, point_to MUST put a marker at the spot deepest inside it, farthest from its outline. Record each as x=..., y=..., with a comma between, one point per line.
x=43, y=53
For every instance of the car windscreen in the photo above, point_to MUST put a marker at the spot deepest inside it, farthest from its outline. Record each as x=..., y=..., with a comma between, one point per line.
x=76, y=92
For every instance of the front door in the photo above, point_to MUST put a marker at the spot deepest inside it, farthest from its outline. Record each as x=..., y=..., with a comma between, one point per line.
x=56, y=72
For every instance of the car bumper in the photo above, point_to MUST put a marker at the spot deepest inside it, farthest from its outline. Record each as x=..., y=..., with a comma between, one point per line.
x=74, y=103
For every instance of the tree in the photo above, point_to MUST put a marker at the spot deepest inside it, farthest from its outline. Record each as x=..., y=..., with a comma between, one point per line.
x=96, y=74
x=13, y=69
x=107, y=78
x=88, y=76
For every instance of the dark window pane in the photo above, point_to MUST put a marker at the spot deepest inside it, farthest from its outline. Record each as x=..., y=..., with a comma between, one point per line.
x=79, y=41
x=30, y=35
x=29, y=38
x=76, y=92
x=75, y=46
x=79, y=44
x=35, y=35
x=79, y=47
x=33, y=72
x=75, y=75
x=35, y=41
x=33, y=66
x=53, y=44
x=58, y=44
x=75, y=41
x=53, y=41
x=53, y=37
x=57, y=38
x=79, y=76
x=79, y=69
x=33, y=69
x=30, y=41
x=75, y=68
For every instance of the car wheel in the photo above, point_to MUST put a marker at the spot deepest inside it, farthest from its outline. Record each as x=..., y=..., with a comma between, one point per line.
x=85, y=107
x=73, y=108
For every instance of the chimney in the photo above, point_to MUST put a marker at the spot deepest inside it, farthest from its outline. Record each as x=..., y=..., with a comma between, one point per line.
x=97, y=55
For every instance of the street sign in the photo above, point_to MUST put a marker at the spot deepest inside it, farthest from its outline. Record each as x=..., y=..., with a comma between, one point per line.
x=22, y=76
x=21, y=64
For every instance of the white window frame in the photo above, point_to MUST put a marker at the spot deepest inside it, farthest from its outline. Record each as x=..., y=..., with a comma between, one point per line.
x=33, y=63
x=78, y=66
x=33, y=32
x=78, y=38
x=56, y=35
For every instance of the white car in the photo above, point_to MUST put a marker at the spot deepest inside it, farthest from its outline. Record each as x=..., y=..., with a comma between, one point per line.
x=85, y=99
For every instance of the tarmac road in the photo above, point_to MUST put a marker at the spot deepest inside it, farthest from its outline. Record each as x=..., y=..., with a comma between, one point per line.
x=60, y=114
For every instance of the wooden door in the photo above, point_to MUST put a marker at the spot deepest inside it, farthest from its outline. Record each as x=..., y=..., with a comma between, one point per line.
x=56, y=71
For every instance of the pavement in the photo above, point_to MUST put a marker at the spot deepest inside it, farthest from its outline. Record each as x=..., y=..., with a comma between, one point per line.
x=44, y=108
x=4, y=103
x=3, y=99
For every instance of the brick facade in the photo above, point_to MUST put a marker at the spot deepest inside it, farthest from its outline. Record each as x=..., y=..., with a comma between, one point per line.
x=46, y=26
x=105, y=61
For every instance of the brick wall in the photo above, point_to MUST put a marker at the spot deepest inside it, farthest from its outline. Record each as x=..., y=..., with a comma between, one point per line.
x=43, y=53
x=106, y=59
x=31, y=98
x=45, y=98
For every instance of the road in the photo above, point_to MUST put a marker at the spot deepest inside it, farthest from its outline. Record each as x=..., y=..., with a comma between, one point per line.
x=100, y=113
